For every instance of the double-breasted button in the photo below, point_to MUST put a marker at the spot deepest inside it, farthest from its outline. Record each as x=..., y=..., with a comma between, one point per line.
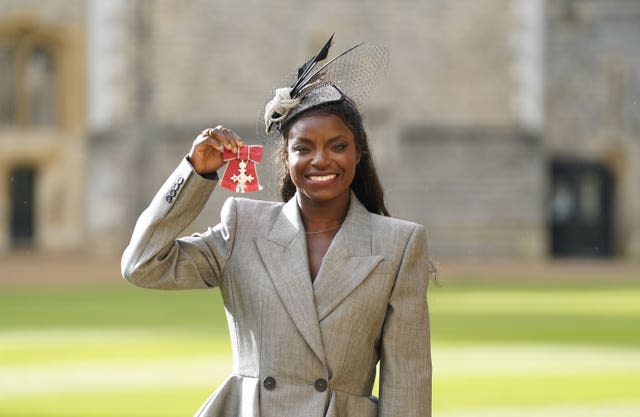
x=269, y=383
x=320, y=384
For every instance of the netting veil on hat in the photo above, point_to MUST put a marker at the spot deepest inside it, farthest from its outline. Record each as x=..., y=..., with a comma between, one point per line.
x=353, y=73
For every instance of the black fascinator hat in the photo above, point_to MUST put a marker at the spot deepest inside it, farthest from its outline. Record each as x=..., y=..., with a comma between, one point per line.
x=351, y=74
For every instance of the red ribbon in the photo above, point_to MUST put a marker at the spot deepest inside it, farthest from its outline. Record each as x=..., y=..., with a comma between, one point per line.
x=240, y=174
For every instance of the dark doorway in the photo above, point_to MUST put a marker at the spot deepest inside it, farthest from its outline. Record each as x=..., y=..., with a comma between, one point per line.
x=22, y=191
x=581, y=209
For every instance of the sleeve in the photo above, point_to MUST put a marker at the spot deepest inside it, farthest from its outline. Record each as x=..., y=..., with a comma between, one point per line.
x=155, y=258
x=405, y=361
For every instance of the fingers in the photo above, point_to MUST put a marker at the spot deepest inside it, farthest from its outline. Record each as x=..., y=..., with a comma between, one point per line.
x=206, y=154
x=220, y=137
x=208, y=137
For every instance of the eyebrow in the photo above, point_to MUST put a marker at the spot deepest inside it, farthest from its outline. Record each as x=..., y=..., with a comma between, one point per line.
x=306, y=139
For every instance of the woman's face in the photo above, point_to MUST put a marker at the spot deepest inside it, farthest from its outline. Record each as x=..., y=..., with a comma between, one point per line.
x=321, y=157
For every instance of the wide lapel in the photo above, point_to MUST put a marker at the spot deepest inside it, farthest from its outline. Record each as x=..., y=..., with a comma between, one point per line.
x=348, y=260
x=284, y=254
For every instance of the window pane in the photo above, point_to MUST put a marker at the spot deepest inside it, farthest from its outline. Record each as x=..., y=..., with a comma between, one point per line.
x=40, y=87
x=590, y=198
x=7, y=84
x=563, y=202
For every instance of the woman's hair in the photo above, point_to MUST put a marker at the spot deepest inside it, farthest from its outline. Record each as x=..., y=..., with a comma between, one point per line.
x=366, y=184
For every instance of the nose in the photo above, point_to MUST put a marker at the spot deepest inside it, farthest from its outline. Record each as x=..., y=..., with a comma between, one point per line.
x=320, y=159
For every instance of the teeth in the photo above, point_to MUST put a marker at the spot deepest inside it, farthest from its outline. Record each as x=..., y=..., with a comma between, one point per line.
x=322, y=177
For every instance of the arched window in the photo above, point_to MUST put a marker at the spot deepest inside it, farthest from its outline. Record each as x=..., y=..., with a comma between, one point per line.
x=28, y=81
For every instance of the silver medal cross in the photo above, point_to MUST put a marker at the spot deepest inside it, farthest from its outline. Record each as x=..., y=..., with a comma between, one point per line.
x=242, y=178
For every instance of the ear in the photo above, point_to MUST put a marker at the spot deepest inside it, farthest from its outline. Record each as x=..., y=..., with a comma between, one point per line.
x=358, y=156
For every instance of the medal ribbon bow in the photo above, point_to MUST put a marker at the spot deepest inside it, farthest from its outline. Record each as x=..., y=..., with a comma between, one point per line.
x=240, y=174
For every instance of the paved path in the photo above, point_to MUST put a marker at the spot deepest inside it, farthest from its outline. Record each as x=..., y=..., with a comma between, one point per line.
x=25, y=268
x=28, y=269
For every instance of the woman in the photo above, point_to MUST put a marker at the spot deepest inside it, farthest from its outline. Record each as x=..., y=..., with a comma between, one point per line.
x=317, y=289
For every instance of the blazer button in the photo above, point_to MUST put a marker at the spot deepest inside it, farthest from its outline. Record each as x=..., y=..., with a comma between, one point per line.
x=269, y=383
x=321, y=385
x=168, y=198
x=179, y=180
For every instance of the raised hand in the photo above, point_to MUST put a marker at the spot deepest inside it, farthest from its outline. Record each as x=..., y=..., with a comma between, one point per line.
x=206, y=152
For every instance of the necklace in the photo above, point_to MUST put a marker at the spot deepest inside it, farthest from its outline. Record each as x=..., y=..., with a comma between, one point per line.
x=323, y=230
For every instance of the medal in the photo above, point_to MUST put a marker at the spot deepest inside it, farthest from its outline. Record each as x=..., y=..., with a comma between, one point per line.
x=240, y=174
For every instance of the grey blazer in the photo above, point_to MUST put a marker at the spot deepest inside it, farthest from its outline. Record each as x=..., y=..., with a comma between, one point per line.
x=300, y=349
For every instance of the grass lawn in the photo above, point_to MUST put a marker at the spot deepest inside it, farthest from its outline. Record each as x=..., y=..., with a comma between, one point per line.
x=498, y=350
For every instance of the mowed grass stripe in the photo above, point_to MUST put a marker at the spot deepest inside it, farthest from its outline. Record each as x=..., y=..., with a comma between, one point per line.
x=126, y=306
x=491, y=390
x=589, y=302
x=454, y=361
x=68, y=347
x=564, y=410
x=158, y=363
x=176, y=403
x=60, y=346
x=93, y=376
x=450, y=393
x=157, y=402
x=521, y=328
x=593, y=316
x=121, y=307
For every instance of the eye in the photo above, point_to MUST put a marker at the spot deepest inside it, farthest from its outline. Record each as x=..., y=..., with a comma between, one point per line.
x=338, y=147
x=299, y=149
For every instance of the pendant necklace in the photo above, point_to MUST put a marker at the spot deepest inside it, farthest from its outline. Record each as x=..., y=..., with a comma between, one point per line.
x=323, y=230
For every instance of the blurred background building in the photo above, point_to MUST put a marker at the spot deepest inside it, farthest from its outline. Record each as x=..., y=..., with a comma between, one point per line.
x=509, y=128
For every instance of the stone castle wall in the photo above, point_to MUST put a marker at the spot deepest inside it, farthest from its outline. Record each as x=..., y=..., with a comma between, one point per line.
x=479, y=98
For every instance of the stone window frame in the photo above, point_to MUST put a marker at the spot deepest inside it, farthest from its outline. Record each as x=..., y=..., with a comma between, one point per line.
x=26, y=34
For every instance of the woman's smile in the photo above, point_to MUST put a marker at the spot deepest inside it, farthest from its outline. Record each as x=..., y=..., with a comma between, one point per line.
x=322, y=178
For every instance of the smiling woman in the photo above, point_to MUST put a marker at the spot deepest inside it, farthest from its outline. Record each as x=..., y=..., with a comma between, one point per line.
x=321, y=288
